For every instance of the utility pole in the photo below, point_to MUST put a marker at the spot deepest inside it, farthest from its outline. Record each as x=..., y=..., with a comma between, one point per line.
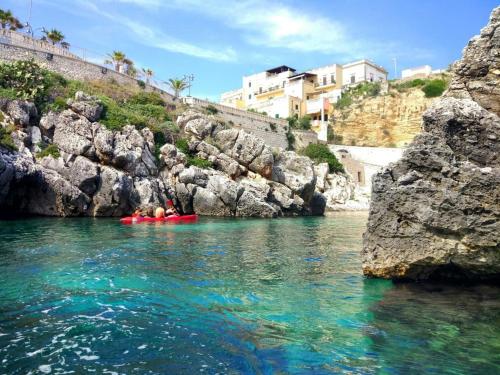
x=395, y=68
x=189, y=79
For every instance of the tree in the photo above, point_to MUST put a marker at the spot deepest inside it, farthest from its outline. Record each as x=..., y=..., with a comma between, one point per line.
x=55, y=36
x=117, y=58
x=178, y=85
x=148, y=73
x=7, y=19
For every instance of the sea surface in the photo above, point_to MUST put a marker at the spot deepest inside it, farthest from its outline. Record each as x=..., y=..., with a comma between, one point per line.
x=226, y=296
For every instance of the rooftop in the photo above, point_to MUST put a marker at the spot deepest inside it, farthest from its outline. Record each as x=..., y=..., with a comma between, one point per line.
x=280, y=69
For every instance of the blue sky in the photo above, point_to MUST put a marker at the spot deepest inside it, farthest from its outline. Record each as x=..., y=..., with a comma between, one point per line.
x=220, y=40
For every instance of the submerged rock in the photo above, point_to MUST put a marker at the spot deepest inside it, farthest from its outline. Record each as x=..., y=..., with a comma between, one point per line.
x=435, y=213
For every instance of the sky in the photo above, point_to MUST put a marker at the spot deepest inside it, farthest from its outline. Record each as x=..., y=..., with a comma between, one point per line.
x=219, y=41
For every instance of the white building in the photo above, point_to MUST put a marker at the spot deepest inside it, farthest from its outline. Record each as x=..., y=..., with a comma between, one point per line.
x=362, y=71
x=282, y=92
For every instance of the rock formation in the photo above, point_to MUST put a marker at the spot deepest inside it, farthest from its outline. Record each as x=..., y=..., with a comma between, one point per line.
x=435, y=213
x=391, y=120
x=99, y=172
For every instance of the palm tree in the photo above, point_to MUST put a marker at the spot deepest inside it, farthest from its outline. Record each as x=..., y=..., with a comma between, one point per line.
x=148, y=73
x=178, y=85
x=130, y=68
x=55, y=36
x=8, y=19
x=117, y=58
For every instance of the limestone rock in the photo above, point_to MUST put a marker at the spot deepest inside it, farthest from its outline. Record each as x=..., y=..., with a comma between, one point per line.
x=477, y=75
x=435, y=212
x=87, y=106
x=296, y=172
x=116, y=196
x=21, y=112
x=205, y=202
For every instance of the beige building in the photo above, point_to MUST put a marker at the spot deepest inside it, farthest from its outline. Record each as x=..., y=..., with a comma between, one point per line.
x=283, y=92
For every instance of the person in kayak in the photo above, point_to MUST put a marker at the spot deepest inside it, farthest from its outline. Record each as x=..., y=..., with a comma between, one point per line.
x=159, y=213
x=137, y=213
x=171, y=209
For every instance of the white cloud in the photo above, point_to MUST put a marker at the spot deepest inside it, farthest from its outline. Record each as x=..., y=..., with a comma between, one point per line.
x=158, y=39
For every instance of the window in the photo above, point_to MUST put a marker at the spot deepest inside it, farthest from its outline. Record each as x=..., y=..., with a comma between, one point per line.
x=371, y=77
x=359, y=176
x=324, y=80
x=296, y=107
x=307, y=97
x=284, y=82
x=332, y=78
x=249, y=84
x=353, y=78
x=249, y=96
x=325, y=117
x=260, y=90
x=277, y=115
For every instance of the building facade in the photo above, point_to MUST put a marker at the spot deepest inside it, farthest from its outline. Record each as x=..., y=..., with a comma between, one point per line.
x=283, y=92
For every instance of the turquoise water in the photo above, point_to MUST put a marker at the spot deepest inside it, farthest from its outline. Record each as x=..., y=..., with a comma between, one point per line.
x=226, y=296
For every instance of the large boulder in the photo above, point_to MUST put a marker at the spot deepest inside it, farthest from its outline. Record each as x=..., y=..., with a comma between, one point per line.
x=21, y=112
x=73, y=134
x=88, y=106
x=116, y=195
x=435, y=212
x=296, y=172
x=207, y=203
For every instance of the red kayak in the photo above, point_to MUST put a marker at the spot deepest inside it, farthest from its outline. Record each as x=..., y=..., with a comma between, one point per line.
x=168, y=219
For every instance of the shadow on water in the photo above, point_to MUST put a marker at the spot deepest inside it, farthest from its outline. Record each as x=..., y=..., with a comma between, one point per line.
x=438, y=328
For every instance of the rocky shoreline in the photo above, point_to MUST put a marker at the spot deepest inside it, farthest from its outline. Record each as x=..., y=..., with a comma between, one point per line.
x=96, y=171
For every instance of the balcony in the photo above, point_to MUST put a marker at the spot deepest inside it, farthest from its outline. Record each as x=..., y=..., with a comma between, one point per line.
x=271, y=89
x=315, y=105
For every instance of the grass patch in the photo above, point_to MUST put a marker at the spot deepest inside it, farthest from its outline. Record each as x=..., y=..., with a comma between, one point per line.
x=48, y=150
x=322, y=154
x=199, y=162
x=6, y=140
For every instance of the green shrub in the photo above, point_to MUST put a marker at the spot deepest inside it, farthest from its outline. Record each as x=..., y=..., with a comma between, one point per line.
x=305, y=122
x=146, y=98
x=321, y=154
x=58, y=105
x=141, y=84
x=434, y=88
x=8, y=93
x=293, y=121
x=199, y=162
x=211, y=109
x=6, y=140
x=344, y=101
x=47, y=150
x=183, y=145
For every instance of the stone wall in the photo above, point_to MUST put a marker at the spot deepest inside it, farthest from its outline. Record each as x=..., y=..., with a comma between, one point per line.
x=70, y=67
x=271, y=130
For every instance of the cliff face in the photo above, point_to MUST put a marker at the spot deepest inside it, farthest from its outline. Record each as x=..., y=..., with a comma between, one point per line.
x=435, y=213
x=390, y=120
x=94, y=171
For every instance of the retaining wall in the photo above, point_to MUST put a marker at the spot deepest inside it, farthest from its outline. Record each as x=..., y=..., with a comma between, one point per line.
x=70, y=67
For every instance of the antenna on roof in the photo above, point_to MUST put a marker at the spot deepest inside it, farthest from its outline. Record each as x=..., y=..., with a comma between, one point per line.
x=395, y=68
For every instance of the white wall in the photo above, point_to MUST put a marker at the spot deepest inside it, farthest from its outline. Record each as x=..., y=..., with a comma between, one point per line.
x=362, y=72
x=325, y=71
x=426, y=70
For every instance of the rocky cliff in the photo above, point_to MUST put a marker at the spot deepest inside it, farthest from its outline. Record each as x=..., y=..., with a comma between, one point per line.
x=435, y=213
x=388, y=120
x=94, y=171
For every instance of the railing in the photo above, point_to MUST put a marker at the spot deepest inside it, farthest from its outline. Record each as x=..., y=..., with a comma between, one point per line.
x=239, y=112
x=24, y=40
x=270, y=89
x=13, y=38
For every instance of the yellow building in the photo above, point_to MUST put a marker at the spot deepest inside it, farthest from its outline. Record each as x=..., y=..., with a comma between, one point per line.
x=281, y=92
